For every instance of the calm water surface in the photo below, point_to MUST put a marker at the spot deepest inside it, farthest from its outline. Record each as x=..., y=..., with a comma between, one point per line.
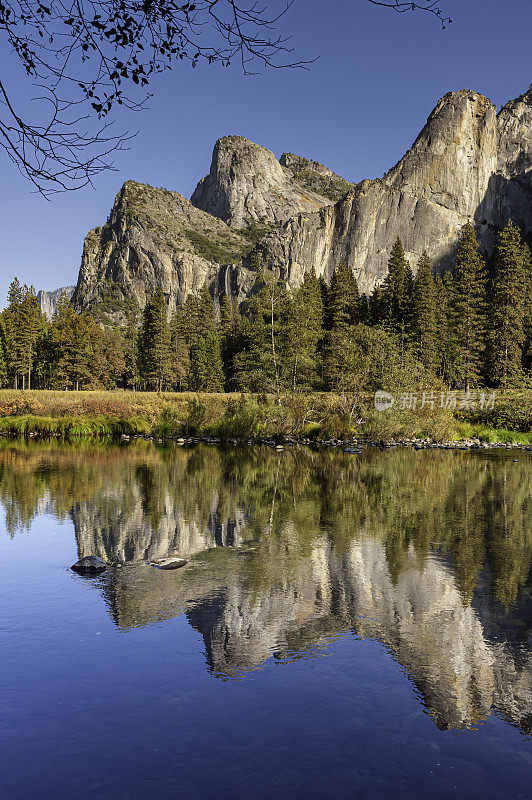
x=346, y=626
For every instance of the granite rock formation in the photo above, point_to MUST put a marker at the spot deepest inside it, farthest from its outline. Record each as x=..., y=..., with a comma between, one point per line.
x=155, y=237
x=246, y=185
x=469, y=163
x=48, y=300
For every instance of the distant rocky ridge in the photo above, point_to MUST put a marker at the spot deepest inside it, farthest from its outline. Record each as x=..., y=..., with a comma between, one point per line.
x=48, y=300
x=468, y=164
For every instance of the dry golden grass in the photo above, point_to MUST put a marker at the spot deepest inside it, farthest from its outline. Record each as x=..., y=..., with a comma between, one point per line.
x=325, y=415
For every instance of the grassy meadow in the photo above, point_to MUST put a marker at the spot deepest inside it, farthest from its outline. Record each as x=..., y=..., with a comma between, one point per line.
x=100, y=414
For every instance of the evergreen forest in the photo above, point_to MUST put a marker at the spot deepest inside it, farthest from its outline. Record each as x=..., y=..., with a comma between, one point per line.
x=470, y=327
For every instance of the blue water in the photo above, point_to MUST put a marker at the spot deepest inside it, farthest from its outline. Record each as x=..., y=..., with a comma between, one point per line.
x=195, y=683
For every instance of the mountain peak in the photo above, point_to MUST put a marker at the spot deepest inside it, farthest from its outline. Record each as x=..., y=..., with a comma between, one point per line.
x=247, y=185
x=468, y=164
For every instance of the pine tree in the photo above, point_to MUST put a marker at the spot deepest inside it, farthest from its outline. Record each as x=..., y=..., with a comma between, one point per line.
x=65, y=341
x=325, y=301
x=23, y=322
x=258, y=366
x=441, y=295
x=527, y=350
x=230, y=337
x=44, y=356
x=31, y=320
x=131, y=376
x=302, y=330
x=77, y=351
x=344, y=299
x=396, y=292
x=206, y=364
x=468, y=311
x=196, y=318
x=365, y=309
x=424, y=318
x=155, y=365
x=180, y=350
x=507, y=317
x=206, y=316
x=376, y=311
x=3, y=370
x=108, y=356
x=13, y=332
x=87, y=361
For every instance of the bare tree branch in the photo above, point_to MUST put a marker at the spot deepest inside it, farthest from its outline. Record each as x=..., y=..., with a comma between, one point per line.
x=85, y=57
x=401, y=7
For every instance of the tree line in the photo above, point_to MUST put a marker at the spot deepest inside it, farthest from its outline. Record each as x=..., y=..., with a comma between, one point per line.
x=470, y=327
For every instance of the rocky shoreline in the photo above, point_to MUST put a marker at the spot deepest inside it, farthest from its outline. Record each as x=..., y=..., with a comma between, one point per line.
x=352, y=445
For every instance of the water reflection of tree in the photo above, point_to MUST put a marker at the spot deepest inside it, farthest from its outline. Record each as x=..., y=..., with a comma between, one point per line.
x=474, y=509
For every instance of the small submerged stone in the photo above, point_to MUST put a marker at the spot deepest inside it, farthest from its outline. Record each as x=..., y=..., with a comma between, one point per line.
x=170, y=563
x=89, y=565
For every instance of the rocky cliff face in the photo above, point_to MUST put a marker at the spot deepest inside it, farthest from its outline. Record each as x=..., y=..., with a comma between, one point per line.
x=247, y=185
x=155, y=237
x=469, y=163
x=49, y=300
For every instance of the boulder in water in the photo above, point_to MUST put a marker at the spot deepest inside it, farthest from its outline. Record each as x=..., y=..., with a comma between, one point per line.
x=89, y=565
x=170, y=563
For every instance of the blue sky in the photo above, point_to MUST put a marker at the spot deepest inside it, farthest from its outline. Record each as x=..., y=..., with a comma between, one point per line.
x=357, y=110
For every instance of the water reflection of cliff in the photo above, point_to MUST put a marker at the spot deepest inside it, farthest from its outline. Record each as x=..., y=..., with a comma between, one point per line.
x=429, y=555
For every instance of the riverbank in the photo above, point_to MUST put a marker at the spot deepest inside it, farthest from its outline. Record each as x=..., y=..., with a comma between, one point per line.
x=320, y=417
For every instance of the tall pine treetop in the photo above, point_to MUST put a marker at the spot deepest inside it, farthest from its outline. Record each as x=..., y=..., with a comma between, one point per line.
x=468, y=310
x=507, y=318
x=344, y=298
x=396, y=294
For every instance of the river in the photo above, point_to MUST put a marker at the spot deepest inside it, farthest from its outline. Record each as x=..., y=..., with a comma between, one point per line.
x=346, y=625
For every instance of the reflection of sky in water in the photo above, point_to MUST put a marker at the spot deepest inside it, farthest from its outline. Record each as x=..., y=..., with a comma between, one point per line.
x=368, y=607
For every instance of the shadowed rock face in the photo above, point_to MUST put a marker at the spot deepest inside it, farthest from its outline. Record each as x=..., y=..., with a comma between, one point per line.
x=467, y=164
